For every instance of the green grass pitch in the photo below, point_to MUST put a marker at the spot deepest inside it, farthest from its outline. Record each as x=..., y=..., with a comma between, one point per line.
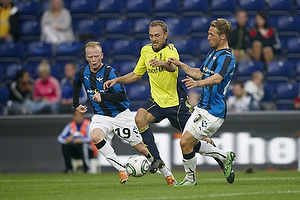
x=211, y=185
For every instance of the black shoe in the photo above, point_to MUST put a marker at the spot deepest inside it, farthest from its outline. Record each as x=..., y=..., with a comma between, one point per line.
x=157, y=164
x=231, y=177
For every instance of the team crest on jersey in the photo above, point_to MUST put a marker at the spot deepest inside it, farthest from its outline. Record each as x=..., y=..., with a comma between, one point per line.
x=99, y=78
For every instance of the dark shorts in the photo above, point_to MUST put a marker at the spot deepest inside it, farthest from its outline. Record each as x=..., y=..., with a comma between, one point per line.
x=177, y=115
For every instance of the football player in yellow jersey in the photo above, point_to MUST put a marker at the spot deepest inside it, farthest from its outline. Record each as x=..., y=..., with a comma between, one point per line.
x=168, y=98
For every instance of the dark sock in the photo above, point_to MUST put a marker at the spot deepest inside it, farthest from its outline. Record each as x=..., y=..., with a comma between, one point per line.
x=148, y=139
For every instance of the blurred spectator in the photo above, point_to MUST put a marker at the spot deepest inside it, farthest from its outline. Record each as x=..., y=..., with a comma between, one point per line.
x=255, y=88
x=9, y=21
x=20, y=94
x=240, y=101
x=297, y=102
x=56, y=24
x=47, y=91
x=239, y=40
x=66, y=103
x=265, y=40
x=76, y=142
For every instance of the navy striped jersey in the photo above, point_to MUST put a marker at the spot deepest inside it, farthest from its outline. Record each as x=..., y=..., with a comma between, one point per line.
x=212, y=98
x=114, y=99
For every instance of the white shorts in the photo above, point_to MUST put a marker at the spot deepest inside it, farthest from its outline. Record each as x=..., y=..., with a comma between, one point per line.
x=122, y=125
x=202, y=124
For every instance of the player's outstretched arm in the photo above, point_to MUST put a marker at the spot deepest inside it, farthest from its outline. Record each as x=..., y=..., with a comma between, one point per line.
x=212, y=80
x=81, y=108
x=193, y=72
x=128, y=78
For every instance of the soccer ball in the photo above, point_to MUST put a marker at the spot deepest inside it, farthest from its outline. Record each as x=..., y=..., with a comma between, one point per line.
x=137, y=166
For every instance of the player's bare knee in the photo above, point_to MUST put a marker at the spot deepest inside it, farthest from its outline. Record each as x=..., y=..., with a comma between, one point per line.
x=96, y=136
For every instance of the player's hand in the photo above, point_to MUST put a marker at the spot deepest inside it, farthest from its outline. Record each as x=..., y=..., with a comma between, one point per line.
x=190, y=83
x=97, y=97
x=155, y=63
x=81, y=109
x=109, y=83
x=173, y=60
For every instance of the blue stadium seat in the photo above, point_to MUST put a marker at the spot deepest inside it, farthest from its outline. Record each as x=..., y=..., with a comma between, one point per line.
x=232, y=21
x=12, y=52
x=69, y=51
x=134, y=8
x=252, y=6
x=125, y=49
x=137, y=94
x=269, y=93
x=126, y=67
x=2, y=67
x=106, y=46
x=140, y=27
x=117, y=28
x=280, y=7
x=29, y=10
x=223, y=7
x=195, y=7
x=204, y=48
x=288, y=25
x=11, y=71
x=245, y=69
x=285, y=94
x=4, y=95
x=298, y=6
x=82, y=8
x=89, y=29
x=36, y=51
x=187, y=48
x=166, y=8
x=57, y=71
x=110, y=8
x=199, y=26
x=297, y=71
x=293, y=47
x=279, y=70
x=30, y=30
x=177, y=27
x=137, y=91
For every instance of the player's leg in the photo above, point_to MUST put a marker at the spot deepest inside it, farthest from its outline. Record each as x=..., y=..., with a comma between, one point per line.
x=205, y=126
x=142, y=120
x=187, y=143
x=98, y=124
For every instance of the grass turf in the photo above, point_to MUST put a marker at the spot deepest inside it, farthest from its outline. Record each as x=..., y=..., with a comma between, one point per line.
x=211, y=185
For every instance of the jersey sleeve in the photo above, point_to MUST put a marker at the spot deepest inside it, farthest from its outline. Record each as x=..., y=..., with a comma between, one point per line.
x=140, y=68
x=224, y=65
x=76, y=89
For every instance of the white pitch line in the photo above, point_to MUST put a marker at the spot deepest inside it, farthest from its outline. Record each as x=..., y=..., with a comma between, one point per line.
x=217, y=195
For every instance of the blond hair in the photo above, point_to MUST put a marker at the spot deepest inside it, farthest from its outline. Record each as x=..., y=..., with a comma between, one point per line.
x=93, y=44
x=44, y=66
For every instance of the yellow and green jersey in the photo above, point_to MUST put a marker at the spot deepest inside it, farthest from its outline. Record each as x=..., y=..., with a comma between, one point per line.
x=165, y=87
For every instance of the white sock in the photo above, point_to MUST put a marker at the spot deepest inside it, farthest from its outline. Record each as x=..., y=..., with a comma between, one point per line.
x=166, y=172
x=190, y=168
x=108, y=152
x=208, y=149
